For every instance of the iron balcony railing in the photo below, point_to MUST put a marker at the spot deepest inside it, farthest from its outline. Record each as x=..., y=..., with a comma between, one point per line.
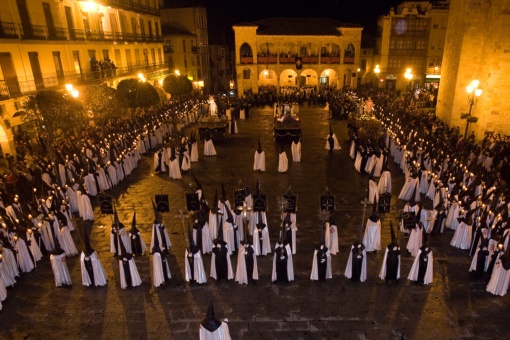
x=130, y=5
x=22, y=86
x=11, y=30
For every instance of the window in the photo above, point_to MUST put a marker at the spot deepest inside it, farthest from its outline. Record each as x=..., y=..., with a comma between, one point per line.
x=106, y=54
x=246, y=74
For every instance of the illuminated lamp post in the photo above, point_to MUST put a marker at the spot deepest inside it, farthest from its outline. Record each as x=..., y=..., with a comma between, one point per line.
x=473, y=94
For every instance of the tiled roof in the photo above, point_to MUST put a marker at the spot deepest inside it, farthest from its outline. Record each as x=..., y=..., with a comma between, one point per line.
x=298, y=26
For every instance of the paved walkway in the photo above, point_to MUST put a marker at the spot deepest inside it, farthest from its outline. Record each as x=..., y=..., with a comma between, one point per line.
x=454, y=306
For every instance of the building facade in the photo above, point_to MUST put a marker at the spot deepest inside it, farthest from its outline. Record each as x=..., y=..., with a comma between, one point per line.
x=296, y=52
x=412, y=37
x=46, y=44
x=187, y=43
x=477, y=47
x=221, y=70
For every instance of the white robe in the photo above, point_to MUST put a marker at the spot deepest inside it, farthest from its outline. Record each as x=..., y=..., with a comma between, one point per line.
x=296, y=151
x=314, y=276
x=415, y=240
x=241, y=271
x=290, y=265
x=384, y=184
x=230, y=273
x=462, y=237
x=500, y=278
x=66, y=241
x=209, y=149
x=158, y=273
x=135, y=277
x=382, y=273
x=198, y=268
x=85, y=208
x=283, y=162
x=373, y=192
x=24, y=260
x=194, y=152
x=221, y=333
x=372, y=237
x=266, y=244
x=60, y=271
x=174, y=171
x=259, y=161
x=207, y=243
x=410, y=190
x=97, y=269
x=413, y=274
x=348, y=268
x=157, y=232
x=336, y=145
x=331, y=238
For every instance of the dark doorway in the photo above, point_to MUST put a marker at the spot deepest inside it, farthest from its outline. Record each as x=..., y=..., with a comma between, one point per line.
x=36, y=70
x=11, y=80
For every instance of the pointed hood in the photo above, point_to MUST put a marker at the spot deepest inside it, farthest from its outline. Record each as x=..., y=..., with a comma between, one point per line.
x=211, y=323
x=282, y=149
x=88, y=249
x=220, y=230
x=199, y=185
x=392, y=233
x=134, y=229
x=260, y=223
x=374, y=217
x=230, y=217
x=323, y=238
x=330, y=130
x=223, y=193
x=155, y=247
x=215, y=208
x=259, y=150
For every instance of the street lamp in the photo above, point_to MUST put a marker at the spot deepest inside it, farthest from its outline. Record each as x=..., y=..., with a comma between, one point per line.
x=473, y=93
x=377, y=70
x=409, y=76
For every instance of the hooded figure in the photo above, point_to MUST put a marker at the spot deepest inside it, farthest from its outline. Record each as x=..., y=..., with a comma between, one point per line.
x=480, y=260
x=129, y=276
x=373, y=193
x=295, y=148
x=212, y=328
x=65, y=239
x=415, y=239
x=289, y=233
x=384, y=184
x=500, y=278
x=356, y=268
x=201, y=236
x=221, y=268
x=321, y=262
x=59, y=266
x=331, y=141
x=159, y=231
x=261, y=243
x=194, y=266
x=193, y=147
x=92, y=271
x=331, y=236
x=160, y=271
x=390, y=270
x=209, y=149
x=246, y=261
x=372, y=237
x=283, y=161
x=230, y=230
x=259, y=159
x=283, y=267
x=462, y=237
x=214, y=213
x=118, y=234
x=137, y=243
x=174, y=170
x=422, y=269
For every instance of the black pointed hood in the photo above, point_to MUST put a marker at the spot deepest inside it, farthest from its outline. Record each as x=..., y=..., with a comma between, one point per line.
x=134, y=229
x=88, y=248
x=223, y=198
x=199, y=185
x=211, y=323
x=259, y=150
x=392, y=233
x=374, y=217
x=330, y=130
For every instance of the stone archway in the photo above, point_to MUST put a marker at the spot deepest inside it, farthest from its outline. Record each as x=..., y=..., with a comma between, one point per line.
x=288, y=77
x=4, y=141
x=329, y=77
x=268, y=78
x=308, y=78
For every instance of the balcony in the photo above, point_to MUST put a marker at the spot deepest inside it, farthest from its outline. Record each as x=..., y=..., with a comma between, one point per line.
x=130, y=5
x=22, y=86
x=246, y=60
x=329, y=60
x=267, y=60
x=11, y=30
x=348, y=60
x=287, y=60
x=310, y=60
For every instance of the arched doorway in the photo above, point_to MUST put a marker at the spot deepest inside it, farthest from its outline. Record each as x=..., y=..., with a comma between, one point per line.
x=246, y=54
x=308, y=78
x=288, y=77
x=4, y=143
x=329, y=77
x=268, y=81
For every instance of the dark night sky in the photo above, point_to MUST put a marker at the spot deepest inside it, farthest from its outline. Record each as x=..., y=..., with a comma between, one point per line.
x=222, y=14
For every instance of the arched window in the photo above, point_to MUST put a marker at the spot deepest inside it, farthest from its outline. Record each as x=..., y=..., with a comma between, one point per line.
x=349, y=54
x=246, y=51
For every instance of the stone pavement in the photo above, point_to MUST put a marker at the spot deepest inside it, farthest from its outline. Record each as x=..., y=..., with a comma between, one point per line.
x=454, y=306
